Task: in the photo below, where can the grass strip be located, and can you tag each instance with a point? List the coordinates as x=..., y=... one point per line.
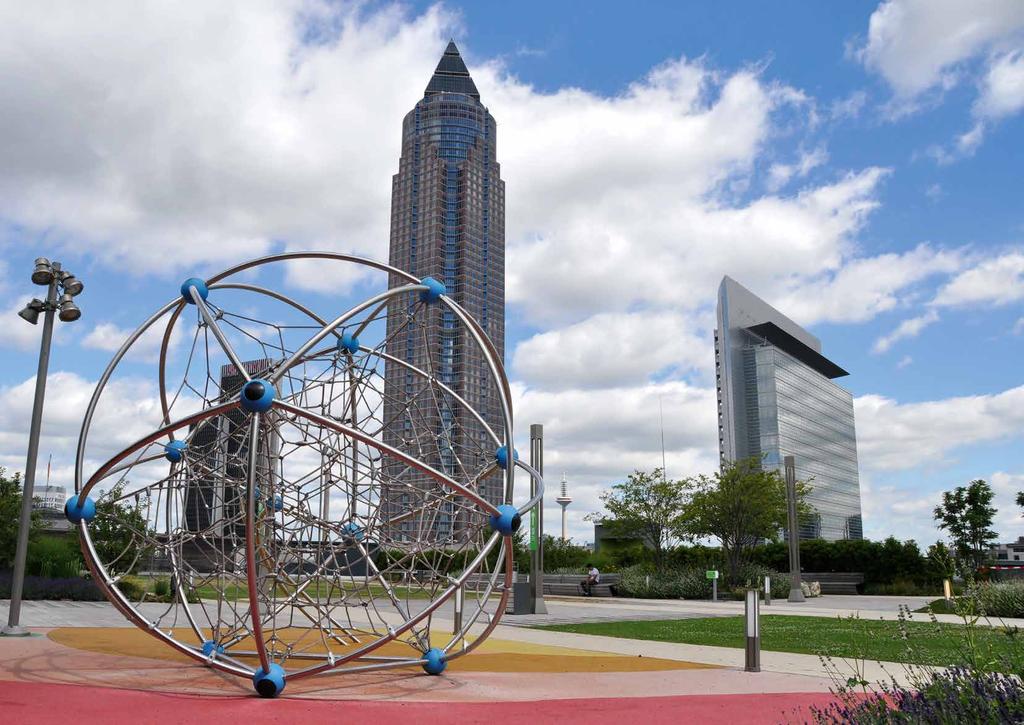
x=926, y=643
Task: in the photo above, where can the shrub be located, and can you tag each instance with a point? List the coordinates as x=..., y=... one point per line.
x=162, y=587
x=42, y=588
x=132, y=588
x=50, y=557
x=694, y=584
x=1004, y=599
x=753, y=575
x=904, y=588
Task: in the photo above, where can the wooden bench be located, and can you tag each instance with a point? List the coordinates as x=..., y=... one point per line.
x=835, y=582
x=569, y=585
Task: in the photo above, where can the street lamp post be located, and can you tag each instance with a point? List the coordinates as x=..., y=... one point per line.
x=68, y=286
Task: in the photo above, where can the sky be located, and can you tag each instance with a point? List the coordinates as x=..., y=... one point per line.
x=857, y=165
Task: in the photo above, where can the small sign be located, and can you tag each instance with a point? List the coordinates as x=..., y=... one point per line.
x=533, y=528
x=712, y=573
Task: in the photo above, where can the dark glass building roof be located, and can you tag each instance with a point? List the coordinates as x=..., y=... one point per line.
x=452, y=76
x=808, y=356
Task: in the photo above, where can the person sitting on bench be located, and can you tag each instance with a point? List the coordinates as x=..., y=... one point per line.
x=593, y=577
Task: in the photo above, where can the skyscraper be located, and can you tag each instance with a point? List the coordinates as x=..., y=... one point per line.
x=776, y=398
x=447, y=222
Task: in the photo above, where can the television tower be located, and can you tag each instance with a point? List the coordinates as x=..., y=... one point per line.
x=563, y=500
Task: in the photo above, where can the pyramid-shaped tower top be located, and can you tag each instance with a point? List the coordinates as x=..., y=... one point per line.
x=452, y=75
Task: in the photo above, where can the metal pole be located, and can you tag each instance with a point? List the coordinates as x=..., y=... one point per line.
x=767, y=591
x=753, y=626
x=14, y=628
x=537, y=605
x=796, y=592
x=457, y=617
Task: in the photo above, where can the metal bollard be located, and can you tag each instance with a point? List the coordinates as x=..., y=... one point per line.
x=767, y=590
x=457, y=618
x=753, y=621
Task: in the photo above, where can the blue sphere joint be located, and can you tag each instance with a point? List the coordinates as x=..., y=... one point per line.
x=269, y=684
x=76, y=513
x=501, y=456
x=209, y=647
x=257, y=396
x=175, y=451
x=353, y=530
x=507, y=521
x=434, y=661
x=199, y=284
x=433, y=291
x=348, y=343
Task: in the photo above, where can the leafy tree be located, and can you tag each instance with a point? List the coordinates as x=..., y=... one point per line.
x=967, y=513
x=118, y=530
x=941, y=561
x=741, y=505
x=647, y=506
x=1020, y=499
x=10, y=517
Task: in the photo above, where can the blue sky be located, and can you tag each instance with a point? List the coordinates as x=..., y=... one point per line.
x=856, y=164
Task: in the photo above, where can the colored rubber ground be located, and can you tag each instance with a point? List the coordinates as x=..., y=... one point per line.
x=33, y=702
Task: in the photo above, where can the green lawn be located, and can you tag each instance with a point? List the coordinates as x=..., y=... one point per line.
x=872, y=639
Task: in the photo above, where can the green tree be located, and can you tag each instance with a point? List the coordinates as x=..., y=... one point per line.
x=119, y=530
x=1020, y=499
x=741, y=505
x=647, y=506
x=966, y=513
x=10, y=517
x=941, y=562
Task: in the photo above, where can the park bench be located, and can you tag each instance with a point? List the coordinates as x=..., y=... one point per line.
x=836, y=582
x=568, y=585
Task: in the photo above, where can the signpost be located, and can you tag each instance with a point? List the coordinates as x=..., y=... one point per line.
x=712, y=574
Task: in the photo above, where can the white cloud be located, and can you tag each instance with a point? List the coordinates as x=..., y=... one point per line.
x=612, y=350
x=1008, y=519
x=866, y=286
x=1002, y=90
x=894, y=436
x=908, y=328
x=109, y=337
x=848, y=107
x=175, y=137
x=129, y=409
x=916, y=45
x=905, y=361
x=598, y=436
x=998, y=280
x=781, y=174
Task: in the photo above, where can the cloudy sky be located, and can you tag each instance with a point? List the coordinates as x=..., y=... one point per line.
x=856, y=165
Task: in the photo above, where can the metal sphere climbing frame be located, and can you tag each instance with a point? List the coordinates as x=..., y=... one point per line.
x=309, y=493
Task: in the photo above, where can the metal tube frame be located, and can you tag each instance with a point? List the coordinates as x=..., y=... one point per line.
x=174, y=308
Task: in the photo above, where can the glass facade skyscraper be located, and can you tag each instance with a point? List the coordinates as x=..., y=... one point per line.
x=447, y=222
x=777, y=398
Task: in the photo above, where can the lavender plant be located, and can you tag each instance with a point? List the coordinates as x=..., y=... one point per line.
x=986, y=685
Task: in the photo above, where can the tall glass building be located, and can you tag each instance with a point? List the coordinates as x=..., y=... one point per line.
x=447, y=222
x=777, y=398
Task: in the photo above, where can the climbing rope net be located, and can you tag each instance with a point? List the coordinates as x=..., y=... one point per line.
x=320, y=494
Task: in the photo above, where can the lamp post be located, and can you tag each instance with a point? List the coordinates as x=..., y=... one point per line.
x=796, y=593
x=62, y=288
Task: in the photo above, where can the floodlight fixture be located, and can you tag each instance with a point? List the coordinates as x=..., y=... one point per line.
x=69, y=311
x=43, y=273
x=71, y=284
x=30, y=312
